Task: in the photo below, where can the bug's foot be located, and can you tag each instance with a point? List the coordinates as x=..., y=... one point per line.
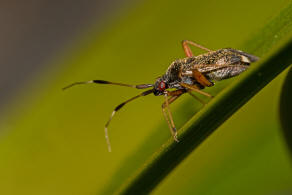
x=175, y=136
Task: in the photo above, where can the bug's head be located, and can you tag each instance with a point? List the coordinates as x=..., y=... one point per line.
x=159, y=87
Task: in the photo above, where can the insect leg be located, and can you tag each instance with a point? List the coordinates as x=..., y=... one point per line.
x=196, y=89
x=114, y=112
x=189, y=92
x=187, y=49
x=201, y=78
x=175, y=94
x=172, y=130
x=142, y=86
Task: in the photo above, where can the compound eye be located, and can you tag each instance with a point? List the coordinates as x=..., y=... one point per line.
x=161, y=86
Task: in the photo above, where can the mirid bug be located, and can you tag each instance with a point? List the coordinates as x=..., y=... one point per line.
x=190, y=74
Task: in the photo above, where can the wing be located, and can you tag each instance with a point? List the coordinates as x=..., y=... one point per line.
x=207, y=68
x=219, y=72
x=222, y=64
x=245, y=57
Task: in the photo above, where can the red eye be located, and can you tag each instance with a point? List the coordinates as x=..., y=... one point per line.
x=161, y=86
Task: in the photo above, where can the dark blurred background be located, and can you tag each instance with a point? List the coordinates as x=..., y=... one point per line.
x=35, y=31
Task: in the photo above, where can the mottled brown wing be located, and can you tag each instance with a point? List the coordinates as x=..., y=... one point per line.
x=206, y=68
x=220, y=72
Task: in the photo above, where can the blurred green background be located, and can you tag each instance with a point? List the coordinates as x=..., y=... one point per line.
x=52, y=142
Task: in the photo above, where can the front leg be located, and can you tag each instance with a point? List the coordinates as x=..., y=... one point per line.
x=169, y=119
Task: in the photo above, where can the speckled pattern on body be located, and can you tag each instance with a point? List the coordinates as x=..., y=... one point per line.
x=215, y=66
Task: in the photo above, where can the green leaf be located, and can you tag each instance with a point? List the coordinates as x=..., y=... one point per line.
x=286, y=108
x=274, y=45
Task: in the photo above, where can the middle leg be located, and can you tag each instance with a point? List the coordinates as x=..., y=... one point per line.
x=198, y=99
x=196, y=89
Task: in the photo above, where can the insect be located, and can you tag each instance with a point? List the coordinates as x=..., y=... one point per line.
x=187, y=75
